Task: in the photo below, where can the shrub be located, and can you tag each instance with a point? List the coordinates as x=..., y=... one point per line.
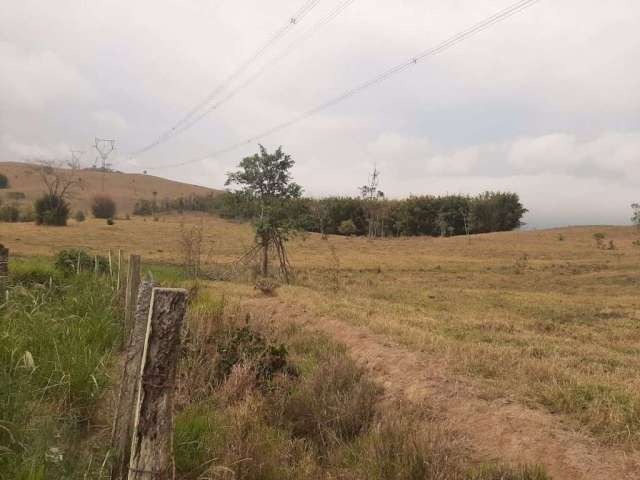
x=110, y=221
x=397, y=447
x=51, y=210
x=336, y=402
x=16, y=195
x=9, y=213
x=347, y=227
x=79, y=216
x=4, y=181
x=27, y=214
x=33, y=271
x=67, y=261
x=244, y=344
x=103, y=206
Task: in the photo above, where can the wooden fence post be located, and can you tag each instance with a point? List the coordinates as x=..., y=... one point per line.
x=119, y=272
x=124, y=413
x=151, y=445
x=131, y=294
x=4, y=272
x=110, y=267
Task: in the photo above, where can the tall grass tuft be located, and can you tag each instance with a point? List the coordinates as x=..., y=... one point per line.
x=56, y=340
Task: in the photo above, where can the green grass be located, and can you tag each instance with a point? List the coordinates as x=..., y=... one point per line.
x=56, y=342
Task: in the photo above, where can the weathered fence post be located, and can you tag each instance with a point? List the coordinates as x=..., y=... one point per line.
x=124, y=413
x=151, y=445
x=131, y=294
x=95, y=265
x=110, y=267
x=4, y=272
x=119, y=272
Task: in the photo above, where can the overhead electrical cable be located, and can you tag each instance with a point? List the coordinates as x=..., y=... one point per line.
x=503, y=14
x=281, y=56
x=296, y=18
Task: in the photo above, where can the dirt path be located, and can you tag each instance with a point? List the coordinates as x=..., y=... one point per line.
x=499, y=430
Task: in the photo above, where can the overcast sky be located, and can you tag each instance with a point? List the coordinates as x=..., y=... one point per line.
x=546, y=104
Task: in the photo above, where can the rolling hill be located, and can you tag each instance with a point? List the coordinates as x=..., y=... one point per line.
x=124, y=188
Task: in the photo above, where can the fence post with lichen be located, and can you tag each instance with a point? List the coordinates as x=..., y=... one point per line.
x=128, y=395
x=4, y=272
x=131, y=293
x=151, y=445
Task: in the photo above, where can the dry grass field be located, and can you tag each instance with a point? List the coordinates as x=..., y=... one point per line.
x=124, y=188
x=530, y=341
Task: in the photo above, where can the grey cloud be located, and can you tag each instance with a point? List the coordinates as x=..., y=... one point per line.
x=548, y=97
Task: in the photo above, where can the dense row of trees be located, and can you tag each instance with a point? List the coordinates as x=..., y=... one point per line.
x=419, y=215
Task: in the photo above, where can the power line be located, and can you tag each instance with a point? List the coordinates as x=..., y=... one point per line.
x=297, y=17
x=497, y=17
x=283, y=54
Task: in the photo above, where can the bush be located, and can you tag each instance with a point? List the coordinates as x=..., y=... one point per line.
x=336, y=402
x=103, y=206
x=79, y=216
x=4, y=181
x=66, y=261
x=244, y=344
x=27, y=214
x=51, y=210
x=347, y=227
x=16, y=195
x=110, y=221
x=33, y=271
x=9, y=213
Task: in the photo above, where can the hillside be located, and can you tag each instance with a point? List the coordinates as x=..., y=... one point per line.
x=124, y=188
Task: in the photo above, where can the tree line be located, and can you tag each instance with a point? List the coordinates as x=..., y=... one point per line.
x=430, y=215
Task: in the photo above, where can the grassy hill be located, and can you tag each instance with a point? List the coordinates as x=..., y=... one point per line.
x=124, y=188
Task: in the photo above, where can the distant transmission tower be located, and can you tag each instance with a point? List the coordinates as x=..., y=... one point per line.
x=104, y=148
x=76, y=156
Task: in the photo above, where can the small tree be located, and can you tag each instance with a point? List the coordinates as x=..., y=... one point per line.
x=266, y=185
x=635, y=219
x=103, y=206
x=51, y=210
x=4, y=181
x=52, y=207
x=370, y=194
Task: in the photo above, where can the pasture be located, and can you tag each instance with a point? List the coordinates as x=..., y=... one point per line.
x=526, y=341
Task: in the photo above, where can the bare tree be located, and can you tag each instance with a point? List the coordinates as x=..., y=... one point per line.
x=371, y=195
x=191, y=246
x=59, y=185
x=58, y=181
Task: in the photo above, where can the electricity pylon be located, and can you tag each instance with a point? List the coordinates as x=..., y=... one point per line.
x=104, y=147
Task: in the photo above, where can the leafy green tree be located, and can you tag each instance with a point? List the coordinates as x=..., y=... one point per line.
x=264, y=181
